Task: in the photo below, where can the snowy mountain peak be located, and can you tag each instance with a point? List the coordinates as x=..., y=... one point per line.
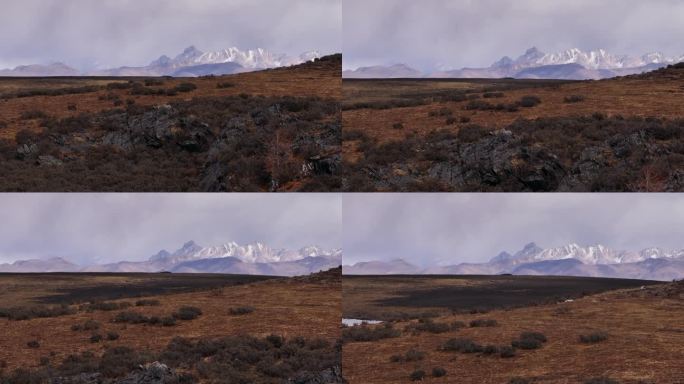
x=255, y=252
x=593, y=254
x=594, y=59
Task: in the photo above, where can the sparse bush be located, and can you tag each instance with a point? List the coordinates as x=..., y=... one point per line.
x=594, y=337
x=95, y=338
x=491, y=95
x=490, y=350
x=187, y=313
x=243, y=310
x=464, y=119
x=471, y=133
x=153, y=82
x=507, y=351
x=91, y=325
x=147, y=303
x=417, y=375
x=225, y=85
x=106, y=306
x=27, y=313
x=529, y=101
x=519, y=380
x=34, y=344
x=601, y=380
x=573, y=99
x=438, y=372
x=410, y=355
x=529, y=340
x=484, y=323
x=111, y=336
x=398, y=126
x=367, y=333
x=33, y=114
x=131, y=317
x=185, y=87
x=456, y=325
x=441, y=112
x=451, y=120
x=168, y=321
x=461, y=345
x=428, y=325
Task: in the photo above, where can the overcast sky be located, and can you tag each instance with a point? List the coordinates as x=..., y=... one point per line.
x=475, y=33
x=445, y=229
x=99, y=228
x=112, y=33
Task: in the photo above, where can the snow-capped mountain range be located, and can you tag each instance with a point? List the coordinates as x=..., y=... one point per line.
x=571, y=64
x=569, y=260
x=254, y=258
x=191, y=62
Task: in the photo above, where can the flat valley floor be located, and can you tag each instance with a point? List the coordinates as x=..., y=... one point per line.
x=65, y=325
x=628, y=332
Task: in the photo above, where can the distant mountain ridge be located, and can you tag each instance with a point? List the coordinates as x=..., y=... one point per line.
x=570, y=260
x=190, y=63
x=571, y=64
x=255, y=258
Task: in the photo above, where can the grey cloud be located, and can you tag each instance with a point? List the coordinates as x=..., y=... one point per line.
x=90, y=228
x=112, y=33
x=460, y=33
x=428, y=229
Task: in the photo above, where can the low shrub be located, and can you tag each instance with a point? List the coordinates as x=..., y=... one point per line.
x=224, y=85
x=601, y=380
x=464, y=119
x=398, y=126
x=441, y=112
x=428, y=325
x=27, y=313
x=111, y=336
x=529, y=340
x=185, y=87
x=417, y=375
x=594, y=337
x=130, y=317
x=450, y=121
x=410, y=355
x=168, y=321
x=491, y=95
x=507, y=351
x=147, y=303
x=490, y=349
x=153, y=82
x=456, y=325
x=95, y=338
x=236, y=311
x=438, y=372
x=34, y=344
x=529, y=101
x=471, y=133
x=461, y=345
x=33, y=114
x=367, y=333
x=91, y=325
x=519, y=380
x=187, y=313
x=484, y=323
x=106, y=306
x=573, y=99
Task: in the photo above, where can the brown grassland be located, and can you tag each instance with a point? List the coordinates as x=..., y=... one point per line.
x=307, y=307
x=272, y=130
x=640, y=338
x=476, y=135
